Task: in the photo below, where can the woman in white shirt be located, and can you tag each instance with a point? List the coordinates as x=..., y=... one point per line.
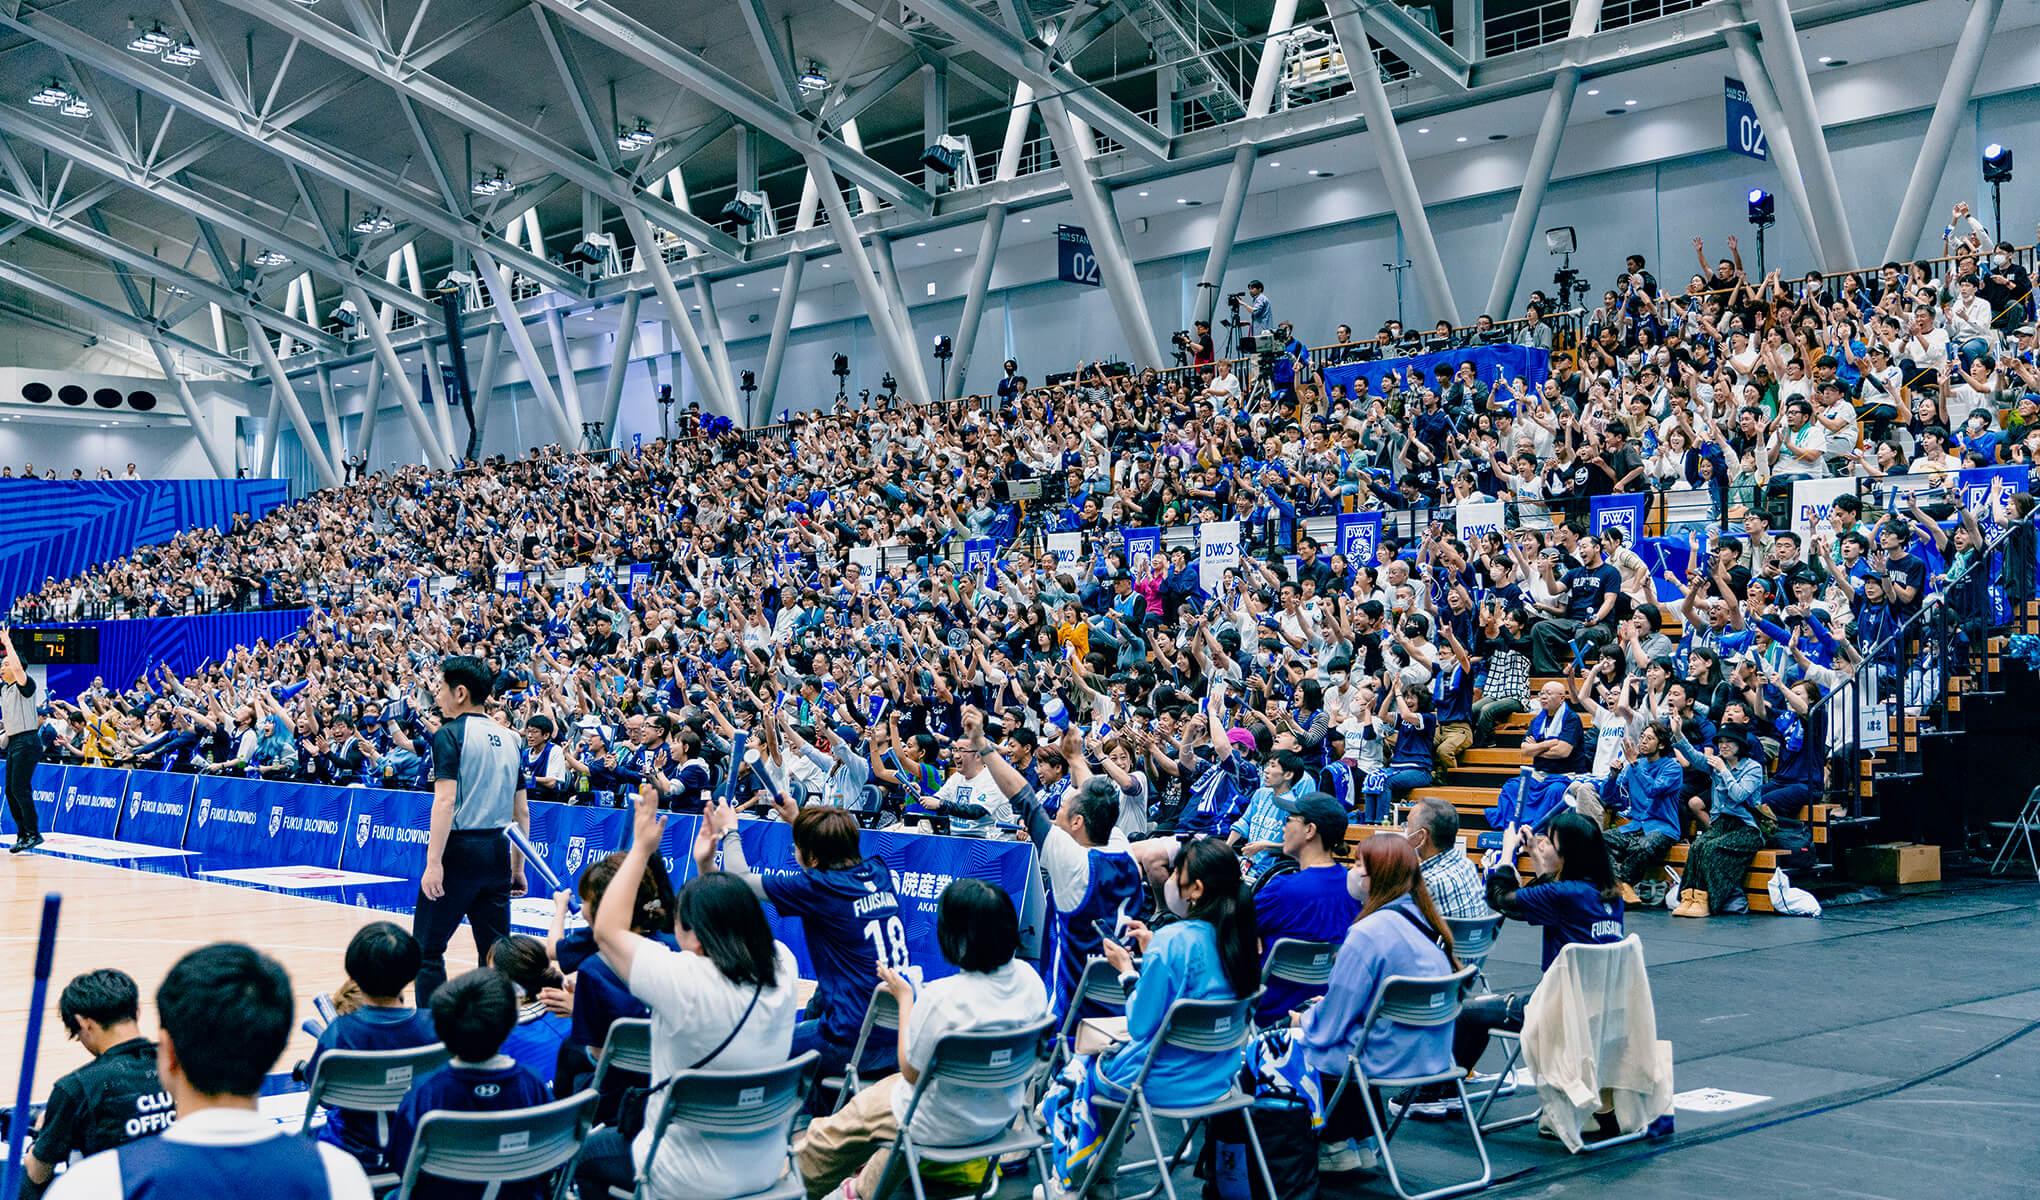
x=979, y=932
x=726, y=1000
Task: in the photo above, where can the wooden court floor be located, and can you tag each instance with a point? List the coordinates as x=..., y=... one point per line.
x=142, y=923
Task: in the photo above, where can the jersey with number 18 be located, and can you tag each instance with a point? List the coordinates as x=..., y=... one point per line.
x=851, y=921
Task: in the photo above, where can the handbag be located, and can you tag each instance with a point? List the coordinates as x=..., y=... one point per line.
x=630, y=1114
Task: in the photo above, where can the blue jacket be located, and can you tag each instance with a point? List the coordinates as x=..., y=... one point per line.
x=1381, y=944
x=1181, y=963
x=1652, y=788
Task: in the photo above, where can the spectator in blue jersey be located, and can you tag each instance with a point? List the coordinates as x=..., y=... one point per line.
x=1211, y=953
x=541, y=1034
x=382, y=960
x=1585, y=610
x=225, y=1012
x=993, y=989
x=1571, y=895
x=1413, y=763
x=474, y=1014
x=1303, y=896
x=849, y=916
x=1398, y=931
x=725, y=1001
x=598, y=997
x=1095, y=884
x=1650, y=785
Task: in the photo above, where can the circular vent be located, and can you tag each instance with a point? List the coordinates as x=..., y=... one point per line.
x=71, y=394
x=108, y=397
x=141, y=401
x=36, y=393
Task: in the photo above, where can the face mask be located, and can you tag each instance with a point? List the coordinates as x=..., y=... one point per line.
x=1174, y=898
x=1999, y=260
x=1356, y=884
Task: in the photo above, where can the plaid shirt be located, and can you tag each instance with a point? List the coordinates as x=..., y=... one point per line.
x=1455, y=886
x=1508, y=676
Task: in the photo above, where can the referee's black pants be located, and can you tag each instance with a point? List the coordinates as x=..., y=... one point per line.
x=24, y=750
x=476, y=873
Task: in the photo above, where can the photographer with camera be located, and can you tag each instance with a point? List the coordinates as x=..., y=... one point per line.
x=1253, y=315
x=1195, y=344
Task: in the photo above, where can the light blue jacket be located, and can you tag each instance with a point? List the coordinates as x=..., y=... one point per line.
x=1181, y=963
x=1383, y=943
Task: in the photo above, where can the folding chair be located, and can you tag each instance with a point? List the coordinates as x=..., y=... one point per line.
x=1613, y=1016
x=1305, y=963
x=735, y=1106
x=495, y=1148
x=627, y=1047
x=1423, y=1003
x=1099, y=984
x=881, y=1012
x=2017, y=832
x=985, y=1063
x=370, y=1081
x=1198, y=1026
x=1474, y=938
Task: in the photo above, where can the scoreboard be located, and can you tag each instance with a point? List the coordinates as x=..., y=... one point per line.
x=41, y=647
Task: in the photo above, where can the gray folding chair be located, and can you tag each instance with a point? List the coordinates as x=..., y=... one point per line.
x=1422, y=1003
x=735, y=1106
x=1612, y=1018
x=1197, y=1026
x=1473, y=939
x=1304, y=963
x=986, y=1063
x=1098, y=985
x=370, y=1081
x=627, y=1047
x=882, y=1011
x=2019, y=832
x=495, y=1148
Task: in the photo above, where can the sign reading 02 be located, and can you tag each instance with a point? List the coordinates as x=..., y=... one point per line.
x=42, y=646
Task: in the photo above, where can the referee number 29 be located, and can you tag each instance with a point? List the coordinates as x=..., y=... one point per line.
x=888, y=942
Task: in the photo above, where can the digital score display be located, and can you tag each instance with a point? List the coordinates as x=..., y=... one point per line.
x=40, y=647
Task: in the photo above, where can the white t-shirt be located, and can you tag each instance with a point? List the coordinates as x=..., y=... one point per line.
x=980, y=790
x=694, y=1007
x=966, y=1002
x=99, y=1176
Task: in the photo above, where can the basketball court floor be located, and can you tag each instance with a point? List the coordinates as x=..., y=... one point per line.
x=1885, y=1049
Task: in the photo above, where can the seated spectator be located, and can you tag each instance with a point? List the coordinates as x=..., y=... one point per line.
x=541, y=1034
x=1450, y=878
x=724, y=1001
x=1399, y=932
x=472, y=1014
x=382, y=960
x=108, y=1102
x=1212, y=953
x=226, y=1013
x=1648, y=790
x=979, y=932
x=1304, y=895
x=599, y=998
x=1720, y=857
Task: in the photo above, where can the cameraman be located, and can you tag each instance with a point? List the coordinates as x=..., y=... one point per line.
x=1197, y=342
x=1254, y=313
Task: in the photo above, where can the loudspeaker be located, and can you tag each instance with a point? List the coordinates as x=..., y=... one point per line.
x=71, y=394
x=141, y=401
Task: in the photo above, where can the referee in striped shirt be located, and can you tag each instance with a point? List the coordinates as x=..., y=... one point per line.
x=471, y=870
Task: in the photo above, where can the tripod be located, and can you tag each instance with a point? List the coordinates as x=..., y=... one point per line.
x=592, y=439
x=1395, y=270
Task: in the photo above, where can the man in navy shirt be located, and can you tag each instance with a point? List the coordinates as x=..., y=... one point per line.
x=473, y=1015
x=849, y=917
x=1309, y=900
x=109, y=1101
x=382, y=960
x=1591, y=592
x=226, y=1013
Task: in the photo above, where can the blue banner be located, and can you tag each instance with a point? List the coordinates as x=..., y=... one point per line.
x=387, y=832
x=513, y=582
x=89, y=800
x=1359, y=534
x=640, y=573
x=1625, y=512
x=1510, y=361
x=976, y=553
x=573, y=836
x=158, y=808
x=1975, y=483
x=43, y=788
x=296, y=824
x=1141, y=545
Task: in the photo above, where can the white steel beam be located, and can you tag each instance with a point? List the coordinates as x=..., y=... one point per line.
x=1101, y=222
x=899, y=351
x=1950, y=107
x=280, y=382
x=1787, y=69
x=1543, y=158
x=392, y=372
x=677, y=319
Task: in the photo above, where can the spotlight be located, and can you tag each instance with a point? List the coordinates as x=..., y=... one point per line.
x=628, y=140
x=944, y=156
x=154, y=41
x=814, y=77
x=347, y=316
x=374, y=222
x=1763, y=207
x=745, y=208
x=595, y=248
x=1997, y=164
x=51, y=96
x=272, y=258
x=183, y=54
x=76, y=107
x=943, y=347
x=490, y=185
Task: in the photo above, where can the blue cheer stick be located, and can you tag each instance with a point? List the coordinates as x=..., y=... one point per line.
x=17, y=1129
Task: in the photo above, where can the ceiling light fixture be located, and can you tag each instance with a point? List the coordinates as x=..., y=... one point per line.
x=1142, y=193
x=76, y=107
x=50, y=96
x=638, y=138
x=374, y=222
x=1825, y=59
x=1629, y=104
x=814, y=77
x=272, y=258
x=1459, y=139
x=1423, y=129
x=490, y=185
x=1027, y=220
x=1593, y=91
x=183, y=54
x=153, y=41
x=1313, y=171
x=1274, y=163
